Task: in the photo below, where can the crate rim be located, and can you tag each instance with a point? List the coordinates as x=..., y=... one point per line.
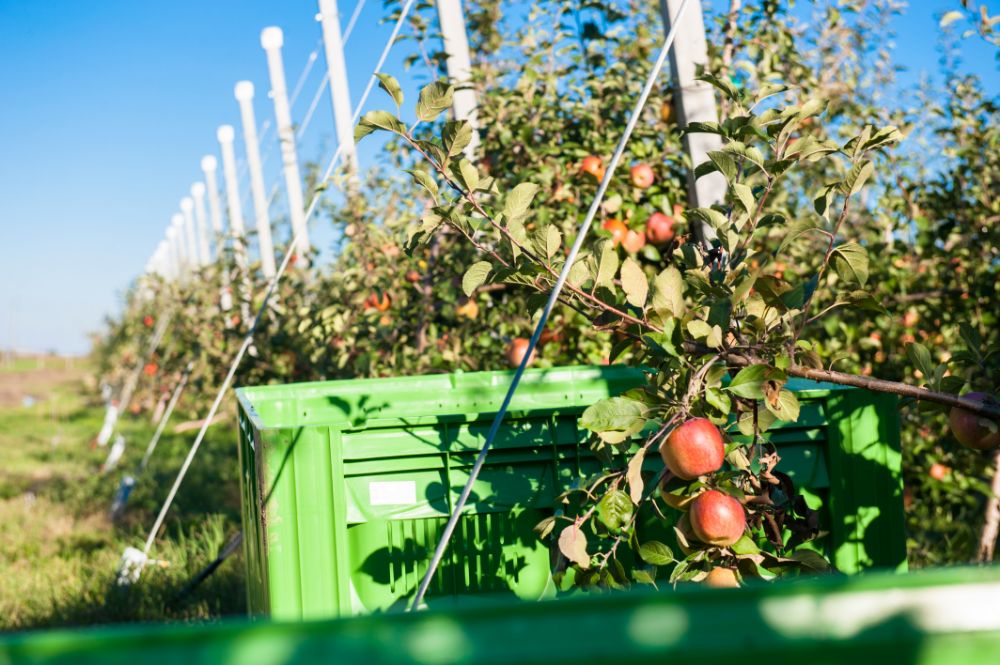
x=247, y=395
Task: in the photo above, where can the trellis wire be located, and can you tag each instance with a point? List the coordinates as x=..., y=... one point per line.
x=553, y=298
x=248, y=338
x=162, y=425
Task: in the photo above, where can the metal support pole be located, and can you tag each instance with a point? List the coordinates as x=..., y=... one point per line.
x=187, y=206
x=198, y=194
x=340, y=95
x=244, y=95
x=695, y=102
x=456, y=46
x=271, y=39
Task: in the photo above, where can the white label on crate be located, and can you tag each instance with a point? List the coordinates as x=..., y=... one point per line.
x=392, y=492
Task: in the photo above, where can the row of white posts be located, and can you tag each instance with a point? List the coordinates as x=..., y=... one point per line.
x=186, y=246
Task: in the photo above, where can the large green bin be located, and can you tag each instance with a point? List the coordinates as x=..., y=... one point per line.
x=346, y=485
x=942, y=617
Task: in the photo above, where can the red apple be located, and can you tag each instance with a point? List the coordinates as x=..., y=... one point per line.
x=516, y=350
x=974, y=431
x=617, y=228
x=147, y=321
x=642, y=176
x=373, y=301
x=693, y=449
x=717, y=518
x=939, y=471
x=722, y=578
x=592, y=166
x=659, y=228
x=412, y=276
x=150, y=369
x=633, y=241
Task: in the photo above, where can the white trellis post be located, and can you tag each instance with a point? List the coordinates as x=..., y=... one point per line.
x=226, y=135
x=175, y=253
x=271, y=39
x=187, y=206
x=340, y=95
x=244, y=95
x=695, y=102
x=183, y=254
x=456, y=46
x=198, y=194
x=208, y=166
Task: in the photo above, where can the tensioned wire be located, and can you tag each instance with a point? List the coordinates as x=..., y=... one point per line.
x=248, y=338
x=553, y=298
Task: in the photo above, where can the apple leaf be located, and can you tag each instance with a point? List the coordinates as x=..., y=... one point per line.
x=619, y=414
x=784, y=405
x=456, y=136
x=377, y=120
x=475, y=276
x=519, y=200
x=573, y=545
x=615, y=510
x=656, y=553
x=633, y=476
x=553, y=240
x=634, y=283
x=850, y=260
x=434, y=98
x=749, y=382
x=389, y=83
x=608, y=267
x=469, y=174
x=668, y=292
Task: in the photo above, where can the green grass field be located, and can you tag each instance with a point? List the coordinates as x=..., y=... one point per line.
x=59, y=552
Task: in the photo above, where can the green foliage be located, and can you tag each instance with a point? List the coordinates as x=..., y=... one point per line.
x=833, y=224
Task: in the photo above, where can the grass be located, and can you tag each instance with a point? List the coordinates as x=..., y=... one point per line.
x=58, y=550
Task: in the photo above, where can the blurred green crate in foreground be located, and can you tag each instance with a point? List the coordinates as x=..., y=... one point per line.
x=346, y=485
x=941, y=617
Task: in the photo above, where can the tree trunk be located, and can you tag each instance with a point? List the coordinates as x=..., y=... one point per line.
x=991, y=527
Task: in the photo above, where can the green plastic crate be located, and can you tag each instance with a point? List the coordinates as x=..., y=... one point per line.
x=346, y=485
x=941, y=617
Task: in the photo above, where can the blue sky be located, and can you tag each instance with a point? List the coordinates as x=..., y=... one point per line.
x=109, y=105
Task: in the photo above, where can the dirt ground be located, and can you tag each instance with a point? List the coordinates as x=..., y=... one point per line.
x=16, y=385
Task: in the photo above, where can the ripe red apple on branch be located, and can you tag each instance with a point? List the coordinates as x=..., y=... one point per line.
x=693, y=449
x=633, y=241
x=659, y=228
x=617, y=228
x=717, y=518
x=375, y=302
x=516, y=350
x=642, y=176
x=939, y=471
x=592, y=166
x=974, y=431
x=721, y=578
